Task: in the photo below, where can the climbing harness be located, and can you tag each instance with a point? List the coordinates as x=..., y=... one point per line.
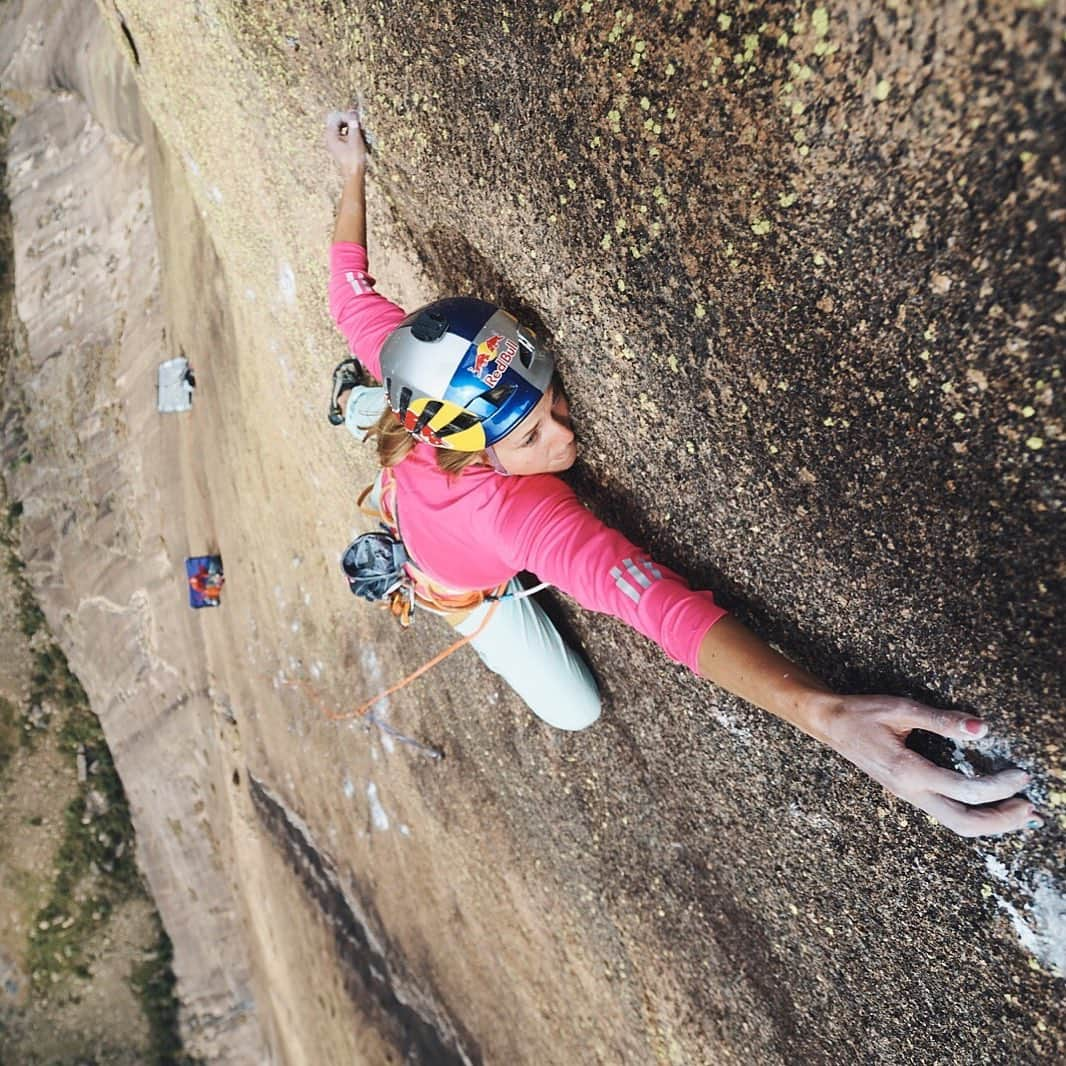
x=380, y=569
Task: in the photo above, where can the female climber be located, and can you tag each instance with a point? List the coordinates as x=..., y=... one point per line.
x=474, y=432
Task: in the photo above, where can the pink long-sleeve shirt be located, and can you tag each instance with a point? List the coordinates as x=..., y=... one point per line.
x=478, y=530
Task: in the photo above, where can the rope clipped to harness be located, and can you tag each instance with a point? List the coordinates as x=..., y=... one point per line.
x=377, y=565
x=377, y=572
x=380, y=570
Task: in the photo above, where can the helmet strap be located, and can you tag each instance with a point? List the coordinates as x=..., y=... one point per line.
x=495, y=463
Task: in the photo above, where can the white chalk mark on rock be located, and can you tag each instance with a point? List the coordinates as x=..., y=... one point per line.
x=286, y=283
x=731, y=725
x=378, y=818
x=368, y=659
x=1040, y=921
x=286, y=370
x=1042, y=929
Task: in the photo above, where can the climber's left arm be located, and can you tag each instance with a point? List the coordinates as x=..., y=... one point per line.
x=871, y=732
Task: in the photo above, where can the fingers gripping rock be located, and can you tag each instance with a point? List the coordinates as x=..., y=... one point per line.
x=952, y=724
x=345, y=139
x=871, y=731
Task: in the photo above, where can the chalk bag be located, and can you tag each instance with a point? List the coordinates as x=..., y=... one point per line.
x=374, y=566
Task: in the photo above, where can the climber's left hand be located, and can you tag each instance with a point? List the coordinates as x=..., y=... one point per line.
x=872, y=731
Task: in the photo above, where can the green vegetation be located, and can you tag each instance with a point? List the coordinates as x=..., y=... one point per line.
x=153, y=981
x=53, y=681
x=31, y=618
x=95, y=864
x=96, y=871
x=8, y=731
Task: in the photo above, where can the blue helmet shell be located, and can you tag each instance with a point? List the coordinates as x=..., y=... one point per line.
x=462, y=373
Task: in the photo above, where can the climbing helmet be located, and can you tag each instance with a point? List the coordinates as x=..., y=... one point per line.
x=461, y=373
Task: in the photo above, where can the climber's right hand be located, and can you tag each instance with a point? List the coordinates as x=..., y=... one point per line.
x=345, y=141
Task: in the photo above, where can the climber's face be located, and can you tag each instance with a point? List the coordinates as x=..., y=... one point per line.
x=543, y=443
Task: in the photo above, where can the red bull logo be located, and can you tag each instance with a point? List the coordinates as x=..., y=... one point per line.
x=496, y=352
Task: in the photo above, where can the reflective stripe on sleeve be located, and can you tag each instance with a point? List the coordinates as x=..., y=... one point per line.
x=643, y=574
x=358, y=281
x=641, y=578
x=624, y=585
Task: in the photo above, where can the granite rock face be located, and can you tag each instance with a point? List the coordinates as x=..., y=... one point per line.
x=77, y=455
x=803, y=267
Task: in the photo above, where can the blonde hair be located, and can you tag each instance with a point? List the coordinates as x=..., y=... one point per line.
x=394, y=444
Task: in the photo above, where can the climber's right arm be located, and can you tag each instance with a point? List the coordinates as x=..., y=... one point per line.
x=350, y=226
x=344, y=139
x=364, y=317
x=871, y=732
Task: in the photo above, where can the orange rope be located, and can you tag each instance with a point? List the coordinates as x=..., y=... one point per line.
x=340, y=716
x=364, y=707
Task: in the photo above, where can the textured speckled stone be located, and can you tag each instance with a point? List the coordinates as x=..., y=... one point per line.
x=803, y=268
